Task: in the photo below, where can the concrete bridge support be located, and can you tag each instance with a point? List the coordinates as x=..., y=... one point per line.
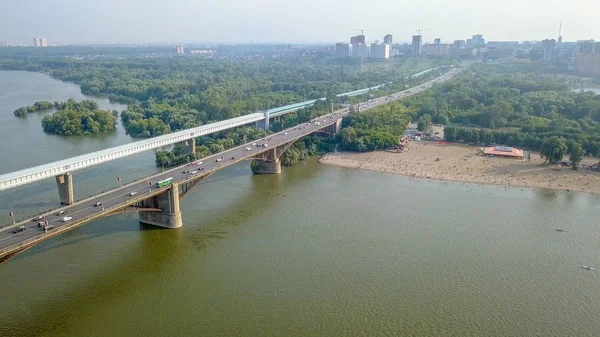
x=265, y=167
x=189, y=146
x=264, y=124
x=269, y=165
x=65, y=188
x=336, y=128
x=170, y=216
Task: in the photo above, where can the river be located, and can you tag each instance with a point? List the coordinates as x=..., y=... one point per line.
x=319, y=251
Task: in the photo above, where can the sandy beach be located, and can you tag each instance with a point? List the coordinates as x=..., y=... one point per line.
x=462, y=163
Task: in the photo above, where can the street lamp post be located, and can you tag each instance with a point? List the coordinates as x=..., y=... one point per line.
x=101, y=201
x=12, y=215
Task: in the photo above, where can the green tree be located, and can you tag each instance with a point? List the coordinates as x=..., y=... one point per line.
x=424, y=122
x=553, y=149
x=576, y=156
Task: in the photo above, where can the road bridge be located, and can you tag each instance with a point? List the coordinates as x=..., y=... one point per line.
x=159, y=205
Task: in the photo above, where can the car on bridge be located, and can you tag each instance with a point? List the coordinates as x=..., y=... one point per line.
x=19, y=230
x=67, y=218
x=61, y=212
x=132, y=193
x=249, y=148
x=37, y=219
x=193, y=172
x=219, y=159
x=98, y=203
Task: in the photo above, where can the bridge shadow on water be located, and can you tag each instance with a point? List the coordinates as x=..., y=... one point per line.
x=121, y=274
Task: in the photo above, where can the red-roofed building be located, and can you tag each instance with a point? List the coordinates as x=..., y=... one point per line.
x=504, y=151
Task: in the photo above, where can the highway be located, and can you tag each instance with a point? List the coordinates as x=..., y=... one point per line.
x=87, y=210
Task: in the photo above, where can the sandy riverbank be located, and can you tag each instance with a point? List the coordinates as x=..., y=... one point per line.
x=461, y=163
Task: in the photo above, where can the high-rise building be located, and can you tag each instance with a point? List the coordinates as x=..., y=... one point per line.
x=180, y=49
x=358, y=39
x=478, y=40
x=380, y=51
x=459, y=44
x=437, y=41
x=549, y=46
x=587, y=60
x=436, y=49
x=343, y=50
x=360, y=50
x=40, y=42
x=585, y=47
x=469, y=43
x=416, y=44
x=388, y=39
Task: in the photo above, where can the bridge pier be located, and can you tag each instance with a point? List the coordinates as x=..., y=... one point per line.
x=170, y=216
x=265, y=167
x=189, y=146
x=264, y=124
x=65, y=188
x=336, y=127
x=269, y=165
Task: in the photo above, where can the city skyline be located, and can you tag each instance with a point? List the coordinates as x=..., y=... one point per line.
x=258, y=21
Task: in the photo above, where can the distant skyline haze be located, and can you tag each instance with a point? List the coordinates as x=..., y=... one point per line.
x=307, y=21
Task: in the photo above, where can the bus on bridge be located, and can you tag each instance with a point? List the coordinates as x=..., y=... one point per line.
x=164, y=183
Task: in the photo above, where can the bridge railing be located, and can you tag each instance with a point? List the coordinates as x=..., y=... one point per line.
x=18, y=246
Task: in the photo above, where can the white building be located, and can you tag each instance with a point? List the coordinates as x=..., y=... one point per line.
x=380, y=51
x=343, y=50
x=360, y=50
x=40, y=42
x=180, y=49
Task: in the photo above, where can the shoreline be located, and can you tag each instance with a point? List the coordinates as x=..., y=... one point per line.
x=461, y=163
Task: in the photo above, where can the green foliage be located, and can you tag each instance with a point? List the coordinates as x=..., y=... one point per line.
x=377, y=129
x=79, y=118
x=306, y=147
x=553, y=149
x=424, y=122
x=173, y=158
x=168, y=94
x=37, y=106
x=576, y=156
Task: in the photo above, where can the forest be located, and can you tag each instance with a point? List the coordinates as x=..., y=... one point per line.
x=513, y=105
x=79, y=118
x=170, y=94
x=37, y=106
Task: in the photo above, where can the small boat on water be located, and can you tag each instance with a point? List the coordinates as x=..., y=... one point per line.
x=588, y=268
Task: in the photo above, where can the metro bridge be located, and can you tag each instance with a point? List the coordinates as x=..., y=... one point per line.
x=156, y=204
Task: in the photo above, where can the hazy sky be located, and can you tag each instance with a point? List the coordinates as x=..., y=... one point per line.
x=294, y=21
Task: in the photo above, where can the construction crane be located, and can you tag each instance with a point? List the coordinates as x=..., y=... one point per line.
x=362, y=31
x=420, y=31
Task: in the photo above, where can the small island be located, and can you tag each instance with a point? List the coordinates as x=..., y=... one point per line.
x=74, y=118
x=37, y=106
